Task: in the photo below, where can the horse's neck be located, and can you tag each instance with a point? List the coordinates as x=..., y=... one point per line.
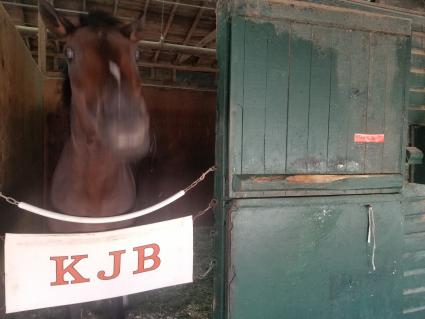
x=90, y=181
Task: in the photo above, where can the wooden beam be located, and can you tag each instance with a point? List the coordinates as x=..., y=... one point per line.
x=69, y=11
x=190, y=68
x=191, y=30
x=204, y=41
x=42, y=42
x=167, y=27
x=184, y=49
x=153, y=65
x=116, y=3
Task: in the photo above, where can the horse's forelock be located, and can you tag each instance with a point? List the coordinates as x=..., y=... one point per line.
x=99, y=19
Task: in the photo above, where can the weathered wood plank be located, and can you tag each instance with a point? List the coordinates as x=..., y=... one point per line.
x=254, y=98
x=356, y=108
x=299, y=101
x=276, y=98
x=340, y=182
x=319, y=100
x=376, y=101
x=237, y=62
x=394, y=104
x=340, y=98
x=324, y=15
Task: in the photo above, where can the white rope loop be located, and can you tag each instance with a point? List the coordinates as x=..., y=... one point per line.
x=109, y=219
x=371, y=234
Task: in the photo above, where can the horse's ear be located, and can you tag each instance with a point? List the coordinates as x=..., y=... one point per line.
x=134, y=30
x=56, y=24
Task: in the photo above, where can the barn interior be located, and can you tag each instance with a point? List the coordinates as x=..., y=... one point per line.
x=178, y=70
x=179, y=73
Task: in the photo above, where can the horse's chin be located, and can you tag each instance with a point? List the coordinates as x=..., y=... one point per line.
x=127, y=144
x=128, y=148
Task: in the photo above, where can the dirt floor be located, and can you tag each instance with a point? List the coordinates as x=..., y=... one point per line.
x=189, y=301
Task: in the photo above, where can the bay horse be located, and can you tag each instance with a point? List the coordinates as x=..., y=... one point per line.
x=109, y=121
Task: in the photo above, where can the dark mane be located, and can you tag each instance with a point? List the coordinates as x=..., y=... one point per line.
x=99, y=19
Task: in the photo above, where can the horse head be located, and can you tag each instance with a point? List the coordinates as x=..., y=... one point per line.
x=107, y=106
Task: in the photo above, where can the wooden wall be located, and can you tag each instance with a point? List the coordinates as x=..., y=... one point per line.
x=21, y=134
x=21, y=116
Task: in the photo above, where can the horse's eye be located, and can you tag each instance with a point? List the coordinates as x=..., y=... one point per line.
x=137, y=55
x=69, y=53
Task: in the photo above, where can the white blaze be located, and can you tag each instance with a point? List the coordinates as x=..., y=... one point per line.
x=115, y=71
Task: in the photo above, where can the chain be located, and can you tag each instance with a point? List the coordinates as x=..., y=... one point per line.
x=200, y=179
x=205, y=274
x=211, y=205
x=8, y=199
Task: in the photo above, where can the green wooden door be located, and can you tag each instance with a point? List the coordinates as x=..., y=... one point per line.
x=305, y=80
x=309, y=258
x=298, y=81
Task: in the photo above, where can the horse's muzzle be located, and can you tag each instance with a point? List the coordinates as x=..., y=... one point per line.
x=126, y=133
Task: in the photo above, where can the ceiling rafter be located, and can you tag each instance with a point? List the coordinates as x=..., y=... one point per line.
x=204, y=41
x=184, y=21
x=167, y=27
x=191, y=30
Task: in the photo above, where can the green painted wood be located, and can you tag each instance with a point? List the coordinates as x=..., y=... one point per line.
x=417, y=116
x=276, y=99
x=323, y=15
x=413, y=279
x=255, y=85
x=414, y=223
x=417, y=80
x=416, y=18
x=417, y=42
x=236, y=70
x=286, y=119
x=304, y=277
x=414, y=251
x=416, y=313
x=413, y=263
x=418, y=61
x=394, y=96
x=416, y=97
x=299, y=100
x=414, y=242
x=221, y=161
x=320, y=88
x=357, y=106
x=376, y=101
x=340, y=98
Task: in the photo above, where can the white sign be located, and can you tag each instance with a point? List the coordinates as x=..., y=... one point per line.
x=45, y=270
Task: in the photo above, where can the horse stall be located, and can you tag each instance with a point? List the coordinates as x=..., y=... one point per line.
x=318, y=132
x=180, y=99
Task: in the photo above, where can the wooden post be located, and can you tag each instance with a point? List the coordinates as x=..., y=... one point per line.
x=42, y=40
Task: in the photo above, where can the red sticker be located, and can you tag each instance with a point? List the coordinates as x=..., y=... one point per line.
x=368, y=138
